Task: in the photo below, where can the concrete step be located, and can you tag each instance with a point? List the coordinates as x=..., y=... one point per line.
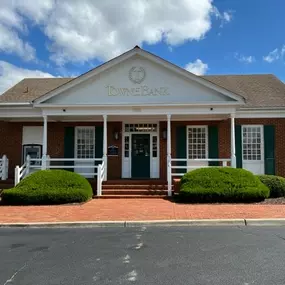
x=133, y=192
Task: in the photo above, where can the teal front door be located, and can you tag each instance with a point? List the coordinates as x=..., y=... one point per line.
x=140, y=156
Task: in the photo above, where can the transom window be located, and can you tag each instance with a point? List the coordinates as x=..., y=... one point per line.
x=85, y=142
x=252, y=142
x=197, y=138
x=140, y=127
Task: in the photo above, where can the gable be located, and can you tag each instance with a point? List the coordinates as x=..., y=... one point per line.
x=140, y=81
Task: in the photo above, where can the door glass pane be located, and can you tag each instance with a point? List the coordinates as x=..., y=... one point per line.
x=140, y=145
x=127, y=146
x=154, y=146
x=85, y=142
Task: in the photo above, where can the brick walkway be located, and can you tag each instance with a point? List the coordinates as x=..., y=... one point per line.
x=135, y=209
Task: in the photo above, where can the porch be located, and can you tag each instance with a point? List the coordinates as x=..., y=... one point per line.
x=114, y=148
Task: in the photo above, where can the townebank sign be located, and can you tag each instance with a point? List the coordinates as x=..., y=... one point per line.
x=137, y=75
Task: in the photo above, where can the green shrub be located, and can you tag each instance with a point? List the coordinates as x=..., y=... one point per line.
x=276, y=184
x=49, y=187
x=226, y=184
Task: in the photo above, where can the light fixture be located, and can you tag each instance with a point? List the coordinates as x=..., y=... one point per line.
x=164, y=134
x=116, y=135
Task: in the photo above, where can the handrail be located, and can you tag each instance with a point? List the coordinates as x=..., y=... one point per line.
x=100, y=177
x=21, y=172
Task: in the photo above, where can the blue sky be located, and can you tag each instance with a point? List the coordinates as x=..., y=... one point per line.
x=67, y=38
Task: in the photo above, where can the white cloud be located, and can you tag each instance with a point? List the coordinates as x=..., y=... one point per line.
x=11, y=74
x=80, y=30
x=274, y=55
x=11, y=43
x=245, y=59
x=197, y=67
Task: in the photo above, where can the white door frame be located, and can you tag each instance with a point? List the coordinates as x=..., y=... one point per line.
x=127, y=161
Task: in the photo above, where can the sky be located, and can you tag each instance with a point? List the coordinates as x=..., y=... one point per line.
x=65, y=38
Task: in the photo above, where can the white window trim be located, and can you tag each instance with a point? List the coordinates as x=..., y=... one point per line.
x=187, y=139
x=261, y=141
x=76, y=137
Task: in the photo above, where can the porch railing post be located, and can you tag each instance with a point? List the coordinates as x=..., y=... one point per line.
x=99, y=186
x=44, y=162
x=28, y=162
x=233, y=143
x=105, y=146
x=4, y=167
x=17, y=175
x=169, y=176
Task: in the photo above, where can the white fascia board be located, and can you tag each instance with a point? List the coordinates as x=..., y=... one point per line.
x=4, y=104
x=137, y=111
x=260, y=114
x=196, y=104
x=24, y=112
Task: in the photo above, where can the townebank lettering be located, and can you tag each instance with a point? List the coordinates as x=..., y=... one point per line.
x=143, y=90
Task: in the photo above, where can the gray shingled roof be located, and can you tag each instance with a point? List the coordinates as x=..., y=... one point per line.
x=262, y=90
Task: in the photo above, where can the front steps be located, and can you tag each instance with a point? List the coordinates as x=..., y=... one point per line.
x=128, y=189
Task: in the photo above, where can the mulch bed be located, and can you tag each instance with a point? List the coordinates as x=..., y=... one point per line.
x=273, y=201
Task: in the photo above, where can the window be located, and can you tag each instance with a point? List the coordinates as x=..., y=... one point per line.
x=85, y=142
x=197, y=142
x=252, y=142
x=140, y=127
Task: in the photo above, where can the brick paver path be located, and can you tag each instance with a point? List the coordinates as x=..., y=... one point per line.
x=136, y=209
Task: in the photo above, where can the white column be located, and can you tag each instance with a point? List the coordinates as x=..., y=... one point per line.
x=44, y=143
x=233, y=142
x=169, y=177
x=105, y=145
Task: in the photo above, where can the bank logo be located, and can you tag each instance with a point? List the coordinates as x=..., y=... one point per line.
x=137, y=74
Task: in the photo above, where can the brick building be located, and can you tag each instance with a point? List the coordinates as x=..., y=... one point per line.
x=145, y=118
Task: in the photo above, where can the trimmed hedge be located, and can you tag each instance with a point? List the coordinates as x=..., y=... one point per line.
x=276, y=185
x=49, y=187
x=217, y=184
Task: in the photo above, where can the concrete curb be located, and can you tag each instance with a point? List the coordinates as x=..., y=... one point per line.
x=153, y=223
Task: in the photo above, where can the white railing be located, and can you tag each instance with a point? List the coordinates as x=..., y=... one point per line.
x=79, y=164
x=100, y=177
x=173, y=170
x=4, y=166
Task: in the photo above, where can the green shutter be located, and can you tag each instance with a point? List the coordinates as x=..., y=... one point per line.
x=98, y=143
x=181, y=146
x=269, y=149
x=69, y=146
x=238, y=146
x=213, y=144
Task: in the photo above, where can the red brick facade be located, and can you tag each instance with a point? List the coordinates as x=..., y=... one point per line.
x=11, y=141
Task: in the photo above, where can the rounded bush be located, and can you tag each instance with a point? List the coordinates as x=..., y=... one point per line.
x=276, y=185
x=226, y=184
x=49, y=187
